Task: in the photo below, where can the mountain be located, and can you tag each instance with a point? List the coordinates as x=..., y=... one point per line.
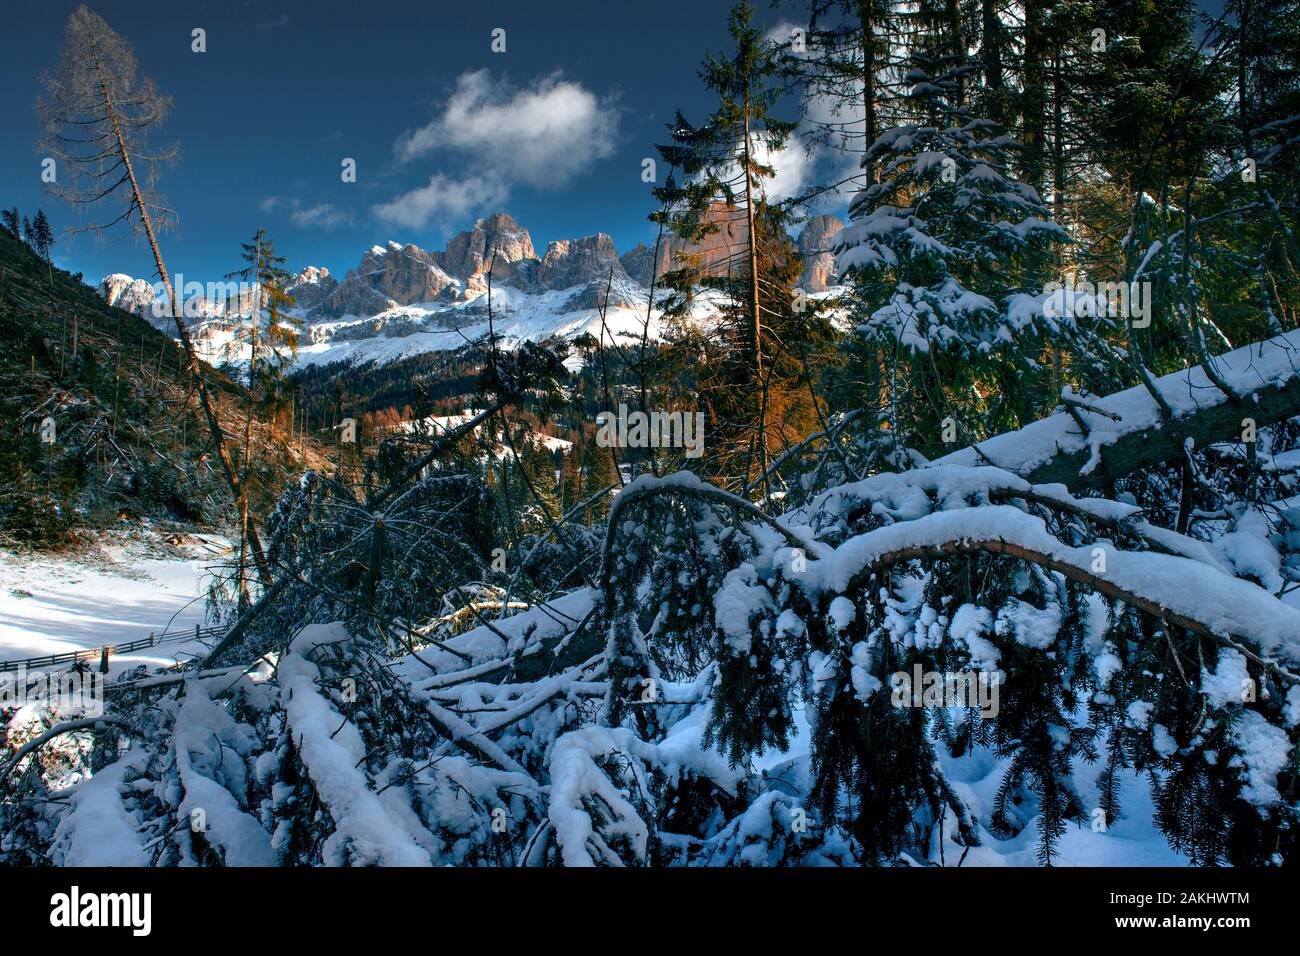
x=311, y=287
x=711, y=254
x=401, y=300
x=815, y=246
x=638, y=262
x=130, y=295
x=725, y=246
x=228, y=299
x=573, y=262
x=497, y=242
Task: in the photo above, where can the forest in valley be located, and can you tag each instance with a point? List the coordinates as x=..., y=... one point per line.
x=988, y=555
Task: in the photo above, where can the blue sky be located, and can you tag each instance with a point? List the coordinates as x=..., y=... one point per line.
x=442, y=129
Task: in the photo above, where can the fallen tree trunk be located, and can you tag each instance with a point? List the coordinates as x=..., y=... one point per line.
x=1127, y=431
x=1173, y=589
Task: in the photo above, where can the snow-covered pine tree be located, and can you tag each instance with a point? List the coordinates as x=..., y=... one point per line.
x=946, y=254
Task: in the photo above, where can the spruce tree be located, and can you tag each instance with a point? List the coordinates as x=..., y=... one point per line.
x=272, y=342
x=753, y=371
x=944, y=255
x=42, y=240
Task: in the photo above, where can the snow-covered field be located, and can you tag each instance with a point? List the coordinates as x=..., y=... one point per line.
x=120, y=589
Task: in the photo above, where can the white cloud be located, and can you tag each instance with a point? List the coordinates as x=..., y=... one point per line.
x=442, y=198
x=793, y=166
x=542, y=136
x=784, y=32
x=322, y=215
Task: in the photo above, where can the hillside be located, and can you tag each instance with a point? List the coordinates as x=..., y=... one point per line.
x=127, y=441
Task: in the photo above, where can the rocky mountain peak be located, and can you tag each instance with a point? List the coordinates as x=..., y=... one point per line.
x=311, y=286
x=133, y=295
x=497, y=238
x=573, y=262
x=638, y=262
x=815, y=246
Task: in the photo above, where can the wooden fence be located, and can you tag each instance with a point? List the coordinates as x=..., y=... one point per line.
x=111, y=650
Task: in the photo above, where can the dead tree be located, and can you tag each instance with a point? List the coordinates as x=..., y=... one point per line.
x=97, y=113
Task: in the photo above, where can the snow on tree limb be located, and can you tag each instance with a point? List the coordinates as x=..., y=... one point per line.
x=1053, y=451
x=1177, y=590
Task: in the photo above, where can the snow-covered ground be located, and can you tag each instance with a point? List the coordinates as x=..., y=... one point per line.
x=120, y=589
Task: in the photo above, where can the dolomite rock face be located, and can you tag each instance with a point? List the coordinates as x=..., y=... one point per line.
x=638, y=262
x=387, y=276
x=815, y=246
x=407, y=274
x=132, y=295
x=574, y=262
x=311, y=287
x=497, y=241
x=725, y=248
x=716, y=252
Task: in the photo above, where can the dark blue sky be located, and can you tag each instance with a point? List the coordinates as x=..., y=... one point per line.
x=286, y=90
x=443, y=130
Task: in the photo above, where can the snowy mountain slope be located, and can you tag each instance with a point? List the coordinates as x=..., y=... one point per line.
x=401, y=300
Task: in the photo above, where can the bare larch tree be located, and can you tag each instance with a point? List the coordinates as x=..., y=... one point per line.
x=98, y=112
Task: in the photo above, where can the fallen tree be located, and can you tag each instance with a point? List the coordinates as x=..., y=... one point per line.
x=1089, y=445
x=621, y=723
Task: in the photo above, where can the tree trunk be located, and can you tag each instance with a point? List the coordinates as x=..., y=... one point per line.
x=214, y=424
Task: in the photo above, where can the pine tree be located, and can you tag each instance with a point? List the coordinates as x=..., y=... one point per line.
x=272, y=342
x=12, y=221
x=842, y=65
x=42, y=240
x=750, y=376
x=945, y=254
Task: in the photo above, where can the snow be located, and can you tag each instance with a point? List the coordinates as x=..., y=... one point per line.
x=443, y=424
x=1250, y=554
x=1250, y=369
x=736, y=603
x=98, y=830
x=969, y=624
x=483, y=645
x=518, y=316
x=366, y=833
x=211, y=769
x=122, y=590
x=1229, y=680
x=1264, y=750
x=576, y=778
x=1228, y=606
x=1030, y=626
